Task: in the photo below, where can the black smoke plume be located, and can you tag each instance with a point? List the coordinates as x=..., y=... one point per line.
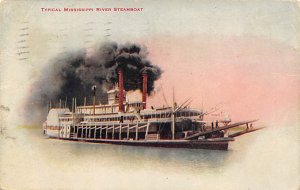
x=73, y=74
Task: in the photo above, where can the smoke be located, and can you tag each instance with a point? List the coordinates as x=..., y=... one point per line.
x=73, y=74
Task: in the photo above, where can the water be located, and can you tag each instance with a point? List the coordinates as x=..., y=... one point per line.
x=31, y=161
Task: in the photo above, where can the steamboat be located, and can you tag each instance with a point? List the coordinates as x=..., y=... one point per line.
x=125, y=122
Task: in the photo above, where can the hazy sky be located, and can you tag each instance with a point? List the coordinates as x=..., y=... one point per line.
x=211, y=45
x=274, y=20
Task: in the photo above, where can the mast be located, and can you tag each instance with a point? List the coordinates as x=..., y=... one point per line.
x=72, y=105
x=173, y=116
x=75, y=105
x=94, y=98
x=84, y=104
x=66, y=101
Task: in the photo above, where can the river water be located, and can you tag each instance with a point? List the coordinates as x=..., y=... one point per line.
x=267, y=159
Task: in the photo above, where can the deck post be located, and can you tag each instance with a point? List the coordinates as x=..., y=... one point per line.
x=113, y=132
x=77, y=131
x=83, y=129
x=86, y=132
x=90, y=130
x=95, y=131
x=84, y=135
x=147, y=130
x=136, y=131
x=173, y=126
x=120, y=132
x=100, y=136
x=128, y=132
x=106, y=131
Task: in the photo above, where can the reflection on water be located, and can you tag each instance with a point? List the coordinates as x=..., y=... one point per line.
x=131, y=157
x=31, y=161
x=156, y=157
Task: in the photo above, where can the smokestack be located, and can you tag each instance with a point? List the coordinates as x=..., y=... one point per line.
x=121, y=88
x=144, y=96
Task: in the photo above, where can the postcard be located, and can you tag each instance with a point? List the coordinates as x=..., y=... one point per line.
x=147, y=94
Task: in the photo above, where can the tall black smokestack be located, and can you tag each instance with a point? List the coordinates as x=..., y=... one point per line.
x=144, y=94
x=121, y=89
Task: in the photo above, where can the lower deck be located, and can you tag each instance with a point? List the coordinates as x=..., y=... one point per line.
x=140, y=134
x=124, y=131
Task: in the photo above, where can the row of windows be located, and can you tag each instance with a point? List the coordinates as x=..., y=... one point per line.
x=110, y=109
x=69, y=119
x=186, y=114
x=98, y=111
x=66, y=119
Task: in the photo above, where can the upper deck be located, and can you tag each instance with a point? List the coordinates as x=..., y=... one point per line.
x=146, y=115
x=130, y=112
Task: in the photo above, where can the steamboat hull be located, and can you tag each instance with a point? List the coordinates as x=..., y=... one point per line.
x=191, y=144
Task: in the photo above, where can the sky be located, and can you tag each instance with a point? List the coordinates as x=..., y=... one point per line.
x=242, y=54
